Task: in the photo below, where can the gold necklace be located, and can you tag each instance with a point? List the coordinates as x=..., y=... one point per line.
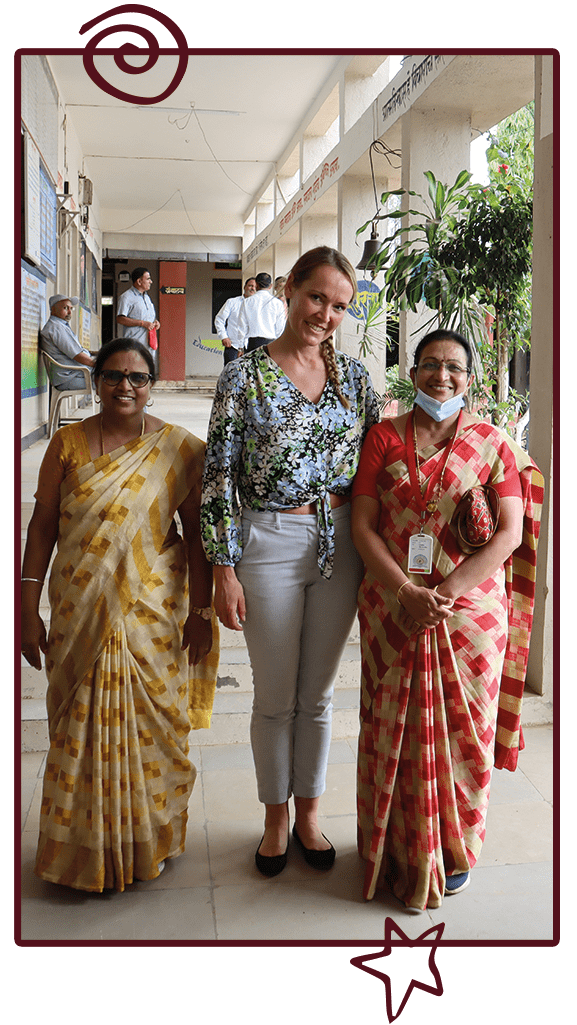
x=432, y=503
x=102, y=436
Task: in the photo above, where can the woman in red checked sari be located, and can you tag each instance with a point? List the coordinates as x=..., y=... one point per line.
x=444, y=634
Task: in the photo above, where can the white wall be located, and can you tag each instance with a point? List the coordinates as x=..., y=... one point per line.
x=199, y=318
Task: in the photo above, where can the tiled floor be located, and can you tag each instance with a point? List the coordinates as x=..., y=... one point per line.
x=214, y=892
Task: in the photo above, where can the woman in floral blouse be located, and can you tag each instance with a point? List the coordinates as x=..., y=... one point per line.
x=285, y=436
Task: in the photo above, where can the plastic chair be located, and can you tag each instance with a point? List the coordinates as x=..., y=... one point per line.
x=57, y=396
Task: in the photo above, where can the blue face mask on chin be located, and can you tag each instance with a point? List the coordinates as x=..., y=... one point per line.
x=439, y=410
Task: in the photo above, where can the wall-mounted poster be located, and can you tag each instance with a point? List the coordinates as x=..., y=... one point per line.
x=94, y=281
x=40, y=213
x=33, y=375
x=83, y=276
x=84, y=324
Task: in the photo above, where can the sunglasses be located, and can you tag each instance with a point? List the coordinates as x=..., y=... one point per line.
x=137, y=380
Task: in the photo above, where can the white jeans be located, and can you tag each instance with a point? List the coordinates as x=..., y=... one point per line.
x=297, y=625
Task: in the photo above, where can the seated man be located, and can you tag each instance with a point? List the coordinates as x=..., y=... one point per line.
x=58, y=339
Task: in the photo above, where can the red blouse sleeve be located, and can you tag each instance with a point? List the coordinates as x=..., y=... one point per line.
x=380, y=442
x=507, y=483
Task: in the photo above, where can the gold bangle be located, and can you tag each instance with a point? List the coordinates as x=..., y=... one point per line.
x=401, y=588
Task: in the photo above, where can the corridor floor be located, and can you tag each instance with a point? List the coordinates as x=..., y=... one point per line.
x=214, y=891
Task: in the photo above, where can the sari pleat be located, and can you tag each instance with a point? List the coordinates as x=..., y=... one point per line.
x=121, y=697
x=431, y=704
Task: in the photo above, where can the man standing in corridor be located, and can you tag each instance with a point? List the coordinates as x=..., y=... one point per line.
x=226, y=322
x=136, y=314
x=262, y=316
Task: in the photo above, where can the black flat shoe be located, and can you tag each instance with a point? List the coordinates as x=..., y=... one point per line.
x=273, y=865
x=316, y=859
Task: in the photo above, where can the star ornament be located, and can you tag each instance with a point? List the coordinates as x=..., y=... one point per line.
x=406, y=963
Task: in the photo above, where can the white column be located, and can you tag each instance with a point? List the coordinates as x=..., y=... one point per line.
x=540, y=672
x=318, y=231
x=432, y=140
x=286, y=254
x=357, y=205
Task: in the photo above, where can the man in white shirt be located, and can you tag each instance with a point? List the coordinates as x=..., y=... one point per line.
x=226, y=321
x=262, y=317
x=58, y=339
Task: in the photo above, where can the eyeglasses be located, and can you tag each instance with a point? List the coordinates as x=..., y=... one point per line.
x=137, y=380
x=430, y=365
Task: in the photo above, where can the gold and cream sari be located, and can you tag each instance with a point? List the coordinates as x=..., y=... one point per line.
x=121, y=697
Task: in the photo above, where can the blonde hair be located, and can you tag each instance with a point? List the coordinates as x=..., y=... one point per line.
x=329, y=355
x=303, y=268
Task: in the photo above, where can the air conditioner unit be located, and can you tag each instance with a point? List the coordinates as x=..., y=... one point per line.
x=86, y=192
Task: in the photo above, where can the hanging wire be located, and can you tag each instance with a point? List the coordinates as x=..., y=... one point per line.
x=177, y=192
x=386, y=151
x=182, y=124
x=208, y=248
x=216, y=158
x=119, y=231
x=185, y=118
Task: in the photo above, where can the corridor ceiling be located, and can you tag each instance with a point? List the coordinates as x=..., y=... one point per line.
x=206, y=151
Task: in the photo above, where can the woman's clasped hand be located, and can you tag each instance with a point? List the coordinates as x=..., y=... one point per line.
x=422, y=608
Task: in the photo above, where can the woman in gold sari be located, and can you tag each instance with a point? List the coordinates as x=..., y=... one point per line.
x=444, y=632
x=132, y=649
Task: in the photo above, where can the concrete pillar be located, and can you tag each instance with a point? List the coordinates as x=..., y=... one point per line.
x=264, y=215
x=249, y=231
x=542, y=390
x=357, y=205
x=318, y=231
x=285, y=188
x=264, y=264
x=436, y=140
x=286, y=255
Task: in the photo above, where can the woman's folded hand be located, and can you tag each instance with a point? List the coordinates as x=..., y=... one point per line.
x=423, y=608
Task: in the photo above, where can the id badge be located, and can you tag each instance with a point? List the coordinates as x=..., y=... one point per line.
x=420, y=554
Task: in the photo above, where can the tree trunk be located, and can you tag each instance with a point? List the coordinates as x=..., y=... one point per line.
x=502, y=364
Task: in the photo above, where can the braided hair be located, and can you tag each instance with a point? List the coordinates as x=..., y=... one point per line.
x=302, y=270
x=329, y=356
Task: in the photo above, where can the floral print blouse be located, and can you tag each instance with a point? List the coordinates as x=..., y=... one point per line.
x=270, y=448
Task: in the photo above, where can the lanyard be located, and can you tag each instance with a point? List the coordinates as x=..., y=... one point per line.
x=429, y=494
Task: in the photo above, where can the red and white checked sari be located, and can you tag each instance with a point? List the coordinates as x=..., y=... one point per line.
x=439, y=709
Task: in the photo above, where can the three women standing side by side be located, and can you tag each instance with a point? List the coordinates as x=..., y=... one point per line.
x=284, y=440
x=132, y=649
x=444, y=631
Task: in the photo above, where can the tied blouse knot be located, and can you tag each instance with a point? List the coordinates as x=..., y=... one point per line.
x=270, y=448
